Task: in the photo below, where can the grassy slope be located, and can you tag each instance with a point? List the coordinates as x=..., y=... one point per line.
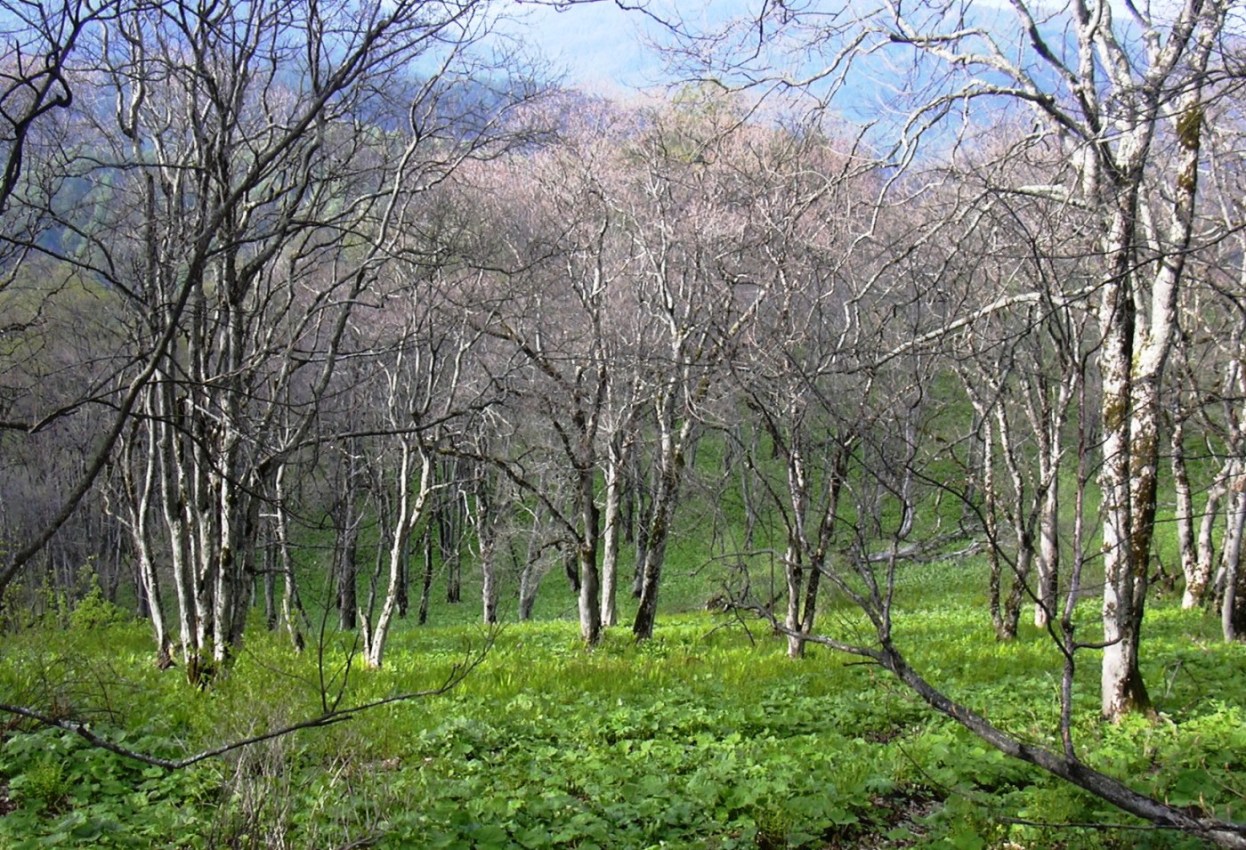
x=706, y=737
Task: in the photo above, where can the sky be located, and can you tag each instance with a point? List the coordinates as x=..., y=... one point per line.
x=601, y=48
x=608, y=51
x=605, y=50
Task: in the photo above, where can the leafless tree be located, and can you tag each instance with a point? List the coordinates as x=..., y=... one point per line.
x=794, y=362
x=424, y=381
x=248, y=194
x=1205, y=397
x=688, y=218
x=1021, y=356
x=554, y=245
x=1117, y=95
x=1123, y=93
x=40, y=41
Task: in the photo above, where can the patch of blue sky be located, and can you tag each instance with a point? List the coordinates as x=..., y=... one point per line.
x=607, y=50
x=601, y=48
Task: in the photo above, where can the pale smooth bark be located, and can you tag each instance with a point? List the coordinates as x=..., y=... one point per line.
x=619, y=450
x=1183, y=517
x=1113, y=94
x=1231, y=602
x=140, y=489
x=293, y=615
x=413, y=495
x=245, y=218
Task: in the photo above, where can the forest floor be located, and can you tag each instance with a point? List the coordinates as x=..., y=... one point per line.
x=706, y=736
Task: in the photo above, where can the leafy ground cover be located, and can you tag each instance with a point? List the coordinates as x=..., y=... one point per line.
x=705, y=737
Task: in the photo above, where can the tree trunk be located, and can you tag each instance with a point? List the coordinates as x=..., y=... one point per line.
x=409, y=513
x=794, y=575
x=488, y=584
x=292, y=613
x=140, y=493
x=1016, y=594
x=1205, y=553
x=793, y=558
x=612, y=517
x=528, y=580
x=1122, y=690
x=1231, y=601
x=673, y=446
x=590, y=601
x=650, y=571
x=404, y=580
x=1054, y=418
x=271, y=619
x=347, y=571
x=1187, y=552
x=486, y=535
x=426, y=585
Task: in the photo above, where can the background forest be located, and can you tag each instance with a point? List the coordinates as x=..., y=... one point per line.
x=334, y=336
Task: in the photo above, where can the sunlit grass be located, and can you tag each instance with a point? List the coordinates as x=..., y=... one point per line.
x=706, y=736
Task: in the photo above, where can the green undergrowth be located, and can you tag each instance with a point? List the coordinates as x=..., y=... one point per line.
x=707, y=736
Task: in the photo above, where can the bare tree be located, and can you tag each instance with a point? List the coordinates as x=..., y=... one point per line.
x=794, y=362
x=1018, y=277
x=1116, y=94
x=1205, y=400
x=249, y=193
x=40, y=41
x=423, y=384
x=688, y=220
x=1124, y=100
x=560, y=257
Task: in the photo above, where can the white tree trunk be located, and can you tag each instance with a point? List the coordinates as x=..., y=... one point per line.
x=1231, y=561
x=612, y=526
x=139, y=495
x=1183, y=515
x=1048, y=555
x=410, y=512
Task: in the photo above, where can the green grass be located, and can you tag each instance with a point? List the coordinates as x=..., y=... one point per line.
x=705, y=737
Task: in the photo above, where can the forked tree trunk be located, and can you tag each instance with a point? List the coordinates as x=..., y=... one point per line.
x=172, y=496
x=673, y=446
x=409, y=513
x=1205, y=554
x=139, y=492
x=528, y=581
x=649, y=572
